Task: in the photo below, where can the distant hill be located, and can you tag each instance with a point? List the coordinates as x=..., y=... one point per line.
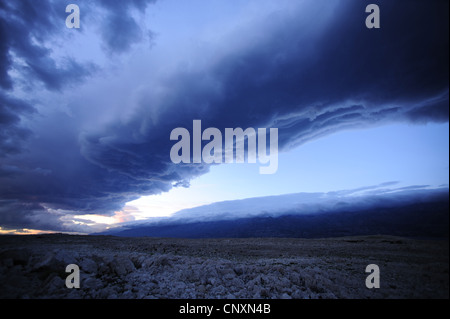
x=418, y=217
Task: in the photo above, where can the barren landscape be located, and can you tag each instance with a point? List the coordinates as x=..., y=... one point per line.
x=33, y=266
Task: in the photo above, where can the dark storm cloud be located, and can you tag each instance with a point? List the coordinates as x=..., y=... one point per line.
x=27, y=26
x=11, y=132
x=5, y=61
x=41, y=170
x=120, y=30
x=347, y=75
x=24, y=27
x=16, y=215
x=308, y=79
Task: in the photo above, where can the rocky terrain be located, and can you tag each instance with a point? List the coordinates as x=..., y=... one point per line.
x=115, y=267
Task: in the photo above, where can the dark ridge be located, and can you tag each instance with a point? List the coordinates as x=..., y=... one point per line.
x=423, y=220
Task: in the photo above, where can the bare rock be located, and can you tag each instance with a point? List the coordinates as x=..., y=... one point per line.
x=66, y=257
x=15, y=257
x=91, y=283
x=47, y=263
x=88, y=265
x=285, y=296
x=121, y=266
x=56, y=284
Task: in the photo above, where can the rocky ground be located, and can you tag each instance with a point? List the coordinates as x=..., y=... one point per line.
x=112, y=267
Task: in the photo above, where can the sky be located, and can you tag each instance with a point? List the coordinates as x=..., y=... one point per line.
x=86, y=114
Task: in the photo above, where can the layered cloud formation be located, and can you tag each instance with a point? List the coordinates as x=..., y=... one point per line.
x=86, y=135
x=378, y=209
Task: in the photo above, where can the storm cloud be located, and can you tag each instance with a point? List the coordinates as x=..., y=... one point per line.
x=310, y=71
